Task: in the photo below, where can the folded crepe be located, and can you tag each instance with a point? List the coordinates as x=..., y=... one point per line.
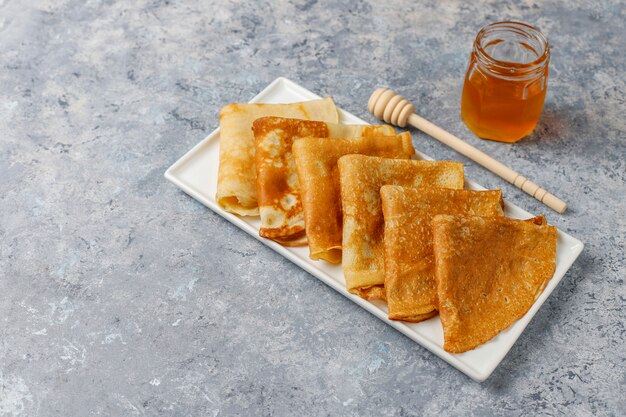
x=409, y=258
x=316, y=163
x=363, y=223
x=489, y=272
x=278, y=193
x=236, y=178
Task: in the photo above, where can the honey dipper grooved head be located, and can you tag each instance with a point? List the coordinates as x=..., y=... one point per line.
x=389, y=106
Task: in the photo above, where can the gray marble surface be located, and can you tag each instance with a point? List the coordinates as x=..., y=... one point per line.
x=120, y=295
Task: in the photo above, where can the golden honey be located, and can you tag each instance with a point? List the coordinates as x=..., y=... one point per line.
x=506, y=81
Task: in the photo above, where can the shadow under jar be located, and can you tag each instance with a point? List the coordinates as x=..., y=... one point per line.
x=506, y=81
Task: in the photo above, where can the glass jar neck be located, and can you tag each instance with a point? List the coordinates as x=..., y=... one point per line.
x=512, y=50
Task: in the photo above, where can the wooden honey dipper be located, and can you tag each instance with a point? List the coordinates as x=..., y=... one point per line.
x=391, y=107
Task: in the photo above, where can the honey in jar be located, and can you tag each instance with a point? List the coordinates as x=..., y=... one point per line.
x=506, y=81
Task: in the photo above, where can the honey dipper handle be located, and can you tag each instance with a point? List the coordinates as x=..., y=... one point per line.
x=488, y=162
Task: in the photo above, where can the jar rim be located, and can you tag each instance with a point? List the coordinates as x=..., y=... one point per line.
x=508, y=67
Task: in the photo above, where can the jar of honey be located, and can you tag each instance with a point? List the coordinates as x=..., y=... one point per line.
x=506, y=81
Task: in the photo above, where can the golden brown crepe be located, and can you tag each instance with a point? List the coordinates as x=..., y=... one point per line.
x=489, y=272
x=280, y=207
x=363, y=245
x=409, y=259
x=316, y=163
x=236, y=179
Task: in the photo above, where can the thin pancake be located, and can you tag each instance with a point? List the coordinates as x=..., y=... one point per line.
x=316, y=163
x=409, y=259
x=280, y=206
x=236, y=179
x=489, y=272
x=363, y=222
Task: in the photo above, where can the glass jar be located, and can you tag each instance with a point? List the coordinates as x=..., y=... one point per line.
x=506, y=81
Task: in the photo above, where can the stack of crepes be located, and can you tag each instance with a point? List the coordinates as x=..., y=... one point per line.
x=404, y=230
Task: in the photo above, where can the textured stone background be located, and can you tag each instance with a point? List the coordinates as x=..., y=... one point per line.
x=120, y=295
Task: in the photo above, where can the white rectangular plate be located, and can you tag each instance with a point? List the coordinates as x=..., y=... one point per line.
x=196, y=174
